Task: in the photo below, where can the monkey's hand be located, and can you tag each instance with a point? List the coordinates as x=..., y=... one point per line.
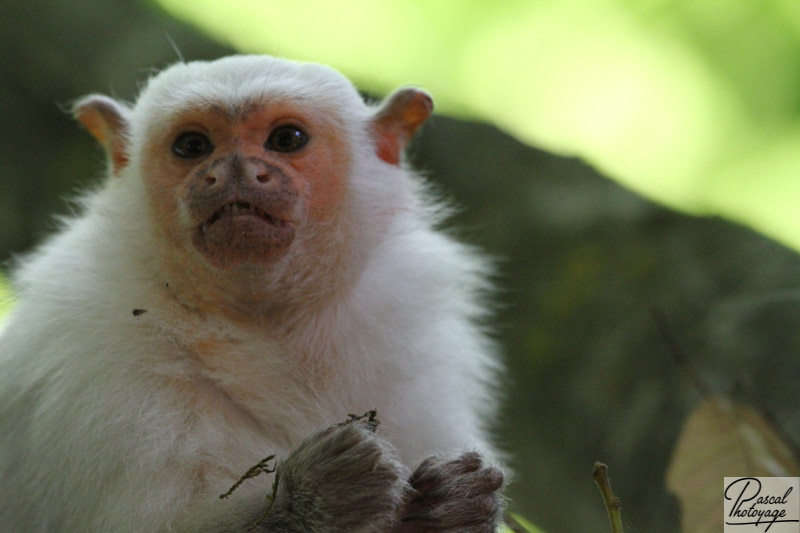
x=460, y=495
x=342, y=479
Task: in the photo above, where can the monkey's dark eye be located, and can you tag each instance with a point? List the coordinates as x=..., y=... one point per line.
x=191, y=145
x=286, y=139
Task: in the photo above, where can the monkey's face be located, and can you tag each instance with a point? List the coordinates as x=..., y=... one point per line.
x=257, y=165
x=240, y=184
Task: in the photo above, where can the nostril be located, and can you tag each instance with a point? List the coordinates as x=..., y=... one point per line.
x=263, y=178
x=210, y=180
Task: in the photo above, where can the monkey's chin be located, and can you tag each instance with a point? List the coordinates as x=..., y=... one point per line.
x=238, y=239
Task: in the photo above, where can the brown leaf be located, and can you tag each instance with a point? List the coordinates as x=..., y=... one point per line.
x=721, y=439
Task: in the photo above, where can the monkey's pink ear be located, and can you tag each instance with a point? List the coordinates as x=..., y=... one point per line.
x=396, y=121
x=107, y=120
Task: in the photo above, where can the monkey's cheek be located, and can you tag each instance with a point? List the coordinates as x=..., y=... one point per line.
x=232, y=241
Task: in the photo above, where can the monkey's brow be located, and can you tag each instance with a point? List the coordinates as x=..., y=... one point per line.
x=234, y=112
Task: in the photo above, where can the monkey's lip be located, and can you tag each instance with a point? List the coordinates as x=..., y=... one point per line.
x=242, y=208
x=241, y=227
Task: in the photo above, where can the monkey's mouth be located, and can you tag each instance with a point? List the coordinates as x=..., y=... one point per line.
x=241, y=231
x=240, y=208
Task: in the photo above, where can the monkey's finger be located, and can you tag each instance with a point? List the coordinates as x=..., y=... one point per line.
x=458, y=513
x=485, y=481
x=435, y=468
x=488, y=527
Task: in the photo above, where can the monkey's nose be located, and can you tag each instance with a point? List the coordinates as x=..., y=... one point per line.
x=256, y=171
x=253, y=172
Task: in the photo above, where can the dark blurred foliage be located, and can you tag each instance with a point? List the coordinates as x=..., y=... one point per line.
x=586, y=269
x=51, y=53
x=583, y=267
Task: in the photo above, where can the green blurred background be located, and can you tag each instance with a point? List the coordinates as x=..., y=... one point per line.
x=553, y=114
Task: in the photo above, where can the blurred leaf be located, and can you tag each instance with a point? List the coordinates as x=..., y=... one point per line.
x=6, y=300
x=722, y=439
x=689, y=103
x=523, y=524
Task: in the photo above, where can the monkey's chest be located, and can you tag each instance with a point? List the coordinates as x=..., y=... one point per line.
x=286, y=392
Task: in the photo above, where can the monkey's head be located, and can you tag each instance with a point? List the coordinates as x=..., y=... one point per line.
x=252, y=163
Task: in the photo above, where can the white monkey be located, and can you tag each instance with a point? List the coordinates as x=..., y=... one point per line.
x=258, y=264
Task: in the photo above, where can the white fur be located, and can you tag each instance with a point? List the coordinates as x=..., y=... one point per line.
x=111, y=422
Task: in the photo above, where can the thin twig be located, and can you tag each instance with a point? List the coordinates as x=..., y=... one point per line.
x=369, y=419
x=613, y=505
x=262, y=467
x=270, y=501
